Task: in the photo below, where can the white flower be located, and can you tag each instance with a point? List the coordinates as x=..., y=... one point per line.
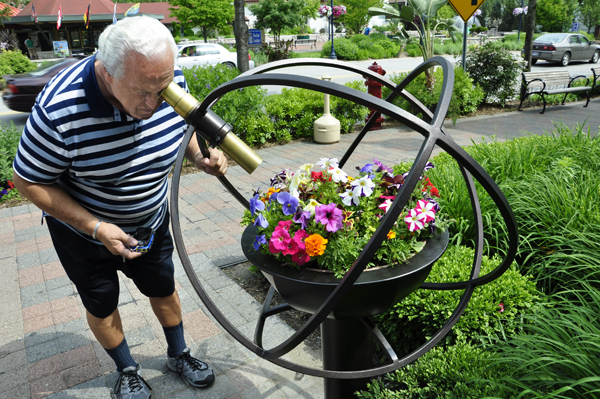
x=338, y=175
x=326, y=163
x=349, y=198
x=363, y=186
x=295, y=182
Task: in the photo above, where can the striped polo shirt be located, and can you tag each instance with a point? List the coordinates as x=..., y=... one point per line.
x=114, y=165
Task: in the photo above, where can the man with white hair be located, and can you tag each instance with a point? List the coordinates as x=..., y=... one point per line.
x=95, y=156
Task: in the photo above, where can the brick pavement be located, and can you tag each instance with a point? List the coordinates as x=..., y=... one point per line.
x=47, y=350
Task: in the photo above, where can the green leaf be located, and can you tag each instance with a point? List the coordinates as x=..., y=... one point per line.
x=407, y=14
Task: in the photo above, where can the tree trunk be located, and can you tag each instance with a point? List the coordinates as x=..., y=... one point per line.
x=529, y=29
x=241, y=36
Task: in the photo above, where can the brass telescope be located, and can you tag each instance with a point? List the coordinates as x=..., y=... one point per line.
x=211, y=127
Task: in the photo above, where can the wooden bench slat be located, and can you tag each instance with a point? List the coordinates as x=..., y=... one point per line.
x=551, y=83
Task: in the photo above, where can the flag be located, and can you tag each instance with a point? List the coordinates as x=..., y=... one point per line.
x=59, y=19
x=34, y=14
x=86, y=17
x=115, y=14
x=133, y=10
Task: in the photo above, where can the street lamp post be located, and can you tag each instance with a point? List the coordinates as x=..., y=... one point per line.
x=332, y=55
x=520, y=18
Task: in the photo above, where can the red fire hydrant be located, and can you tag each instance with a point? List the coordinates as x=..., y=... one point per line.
x=374, y=89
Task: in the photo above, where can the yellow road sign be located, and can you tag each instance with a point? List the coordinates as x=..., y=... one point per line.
x=465, y=8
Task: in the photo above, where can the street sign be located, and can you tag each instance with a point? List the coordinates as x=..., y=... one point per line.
x=575, y=27
x=466, y=8
x=254, y=37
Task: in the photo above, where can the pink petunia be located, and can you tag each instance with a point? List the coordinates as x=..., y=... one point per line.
x=300, y=258
x=291, y=247
x=426, y=208
x=285, y=225
x=414, y=220
x=299, y=237
x=278, y=239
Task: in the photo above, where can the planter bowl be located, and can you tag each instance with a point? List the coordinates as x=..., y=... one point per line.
x=374, y=292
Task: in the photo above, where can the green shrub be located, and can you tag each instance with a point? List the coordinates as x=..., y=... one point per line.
x=413, y=50
x=347, y=112
x=14, y=62
x=416, y=318
x=442, y=373
x=243, y=109
x=362, y=47
x=9, y=141
x=466, y=96
x=294, y=111
x=495, y=70
x=345, y=49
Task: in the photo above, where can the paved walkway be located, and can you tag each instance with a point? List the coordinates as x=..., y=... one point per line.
x=47, y=350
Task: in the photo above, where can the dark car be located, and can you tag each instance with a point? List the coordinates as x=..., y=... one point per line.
x=21, y=90
x=564, y=48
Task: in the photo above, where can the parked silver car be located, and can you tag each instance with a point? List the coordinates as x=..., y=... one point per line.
x=564, y=48
x=195, y=54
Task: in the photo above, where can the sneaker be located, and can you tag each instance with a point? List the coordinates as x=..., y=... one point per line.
x=192, y=370
x=131, y=385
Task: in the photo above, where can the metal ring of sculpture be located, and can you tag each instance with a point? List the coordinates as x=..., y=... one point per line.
x=431, y=128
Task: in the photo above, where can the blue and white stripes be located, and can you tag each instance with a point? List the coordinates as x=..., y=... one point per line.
x=115, y=166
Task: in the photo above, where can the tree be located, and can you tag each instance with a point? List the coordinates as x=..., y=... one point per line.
x=357, y=13
x=277, y=15
x=590, y=13
x=207, y=15
x=552, y=15
x=240, y=30
x=309, y=11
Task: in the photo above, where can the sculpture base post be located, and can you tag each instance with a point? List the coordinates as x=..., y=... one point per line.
x=347, y=345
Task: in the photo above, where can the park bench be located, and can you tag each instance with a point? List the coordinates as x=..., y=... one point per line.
x=546, y=83
x=596, y=72
x=312, y=42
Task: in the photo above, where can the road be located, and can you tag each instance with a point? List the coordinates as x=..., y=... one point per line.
x=390, y=65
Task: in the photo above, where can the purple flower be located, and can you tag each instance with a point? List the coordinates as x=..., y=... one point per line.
x=288, y=201
x=256, y=204
x=302, y=217
x=261, y=221
x=429, y=165
x=367, y=168
x=381, y=167
x=280, y=177
x=258, y=241
x=208, y=86
x=330, y=216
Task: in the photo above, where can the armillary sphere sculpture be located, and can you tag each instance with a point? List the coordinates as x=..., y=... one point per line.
x=341, y=370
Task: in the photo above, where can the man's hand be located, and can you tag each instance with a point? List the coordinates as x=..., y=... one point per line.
x=117, y=241
x=216, y=165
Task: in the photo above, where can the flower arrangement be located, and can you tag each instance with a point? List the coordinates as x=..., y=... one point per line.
x=327, y=11
x=327, y=217
x=519, y=11
x=6, y=190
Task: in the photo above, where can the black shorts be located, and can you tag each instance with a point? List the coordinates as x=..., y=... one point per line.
x=93, y=269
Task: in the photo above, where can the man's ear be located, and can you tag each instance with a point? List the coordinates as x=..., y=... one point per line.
x=108, y=78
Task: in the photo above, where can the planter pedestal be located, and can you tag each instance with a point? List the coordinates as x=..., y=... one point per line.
x=347, y=345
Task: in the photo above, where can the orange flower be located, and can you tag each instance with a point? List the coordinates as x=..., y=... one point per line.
x=391, y=235
x=315, y=245
x=270, y=191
